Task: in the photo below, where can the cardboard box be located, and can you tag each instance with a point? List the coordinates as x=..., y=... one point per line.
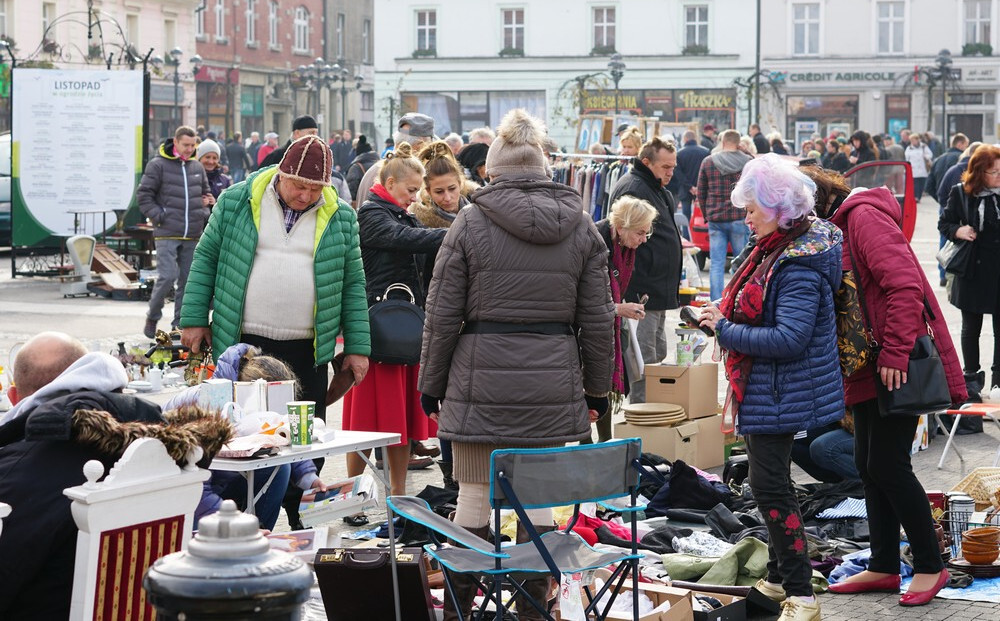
x=680, y=602
x=733, y=608
x=696, y=389
x=672, y=443
x=711, y=441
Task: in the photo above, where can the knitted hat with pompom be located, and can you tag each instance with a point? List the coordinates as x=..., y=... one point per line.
x=518, y=147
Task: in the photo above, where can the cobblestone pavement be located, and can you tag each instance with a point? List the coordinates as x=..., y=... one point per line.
x=28, y=306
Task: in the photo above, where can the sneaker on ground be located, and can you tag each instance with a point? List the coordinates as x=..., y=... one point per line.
x=149, y=330
x=774, y=592
x=796, y=609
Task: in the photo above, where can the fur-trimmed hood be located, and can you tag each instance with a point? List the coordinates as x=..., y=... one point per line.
x=109, y=422
x=428, y=213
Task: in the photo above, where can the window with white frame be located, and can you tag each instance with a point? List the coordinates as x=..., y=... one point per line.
x=366, y=41
x=805, y=27
x=199, y=22
x=604, y=27
x=341, y=25
x=889, y=19
x=272, y=23
x=977, y=21
x=132, y=28
x=301, y=29
x=427, y=30
x=48, y=15
x=220, y=19
x=695, y=25
x=251, y=25
x=169, y=34
x=3, y=17
x=513, y=29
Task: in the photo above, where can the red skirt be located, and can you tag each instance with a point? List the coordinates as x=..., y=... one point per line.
x=388, y=401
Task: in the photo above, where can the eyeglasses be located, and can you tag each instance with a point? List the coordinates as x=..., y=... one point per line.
x=647, y=234
x=993, y=173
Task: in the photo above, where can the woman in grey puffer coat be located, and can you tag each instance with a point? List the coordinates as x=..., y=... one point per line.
x=518, y=337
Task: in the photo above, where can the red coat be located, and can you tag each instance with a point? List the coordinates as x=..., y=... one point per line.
x=894, y=286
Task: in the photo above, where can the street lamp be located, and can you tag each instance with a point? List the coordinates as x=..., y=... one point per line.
x=314, y=77
x=344, y=75
x=175, y=56
x=943, y=64
x=617, y=69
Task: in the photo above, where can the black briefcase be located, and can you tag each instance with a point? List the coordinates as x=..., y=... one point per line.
x=356, y=583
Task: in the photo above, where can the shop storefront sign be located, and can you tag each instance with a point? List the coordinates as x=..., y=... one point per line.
x=981, y=74
x=843, y=76
x=705, y=99
x=221, y=75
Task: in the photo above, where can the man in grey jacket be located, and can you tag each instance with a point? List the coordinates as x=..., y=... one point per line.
x=174, y=195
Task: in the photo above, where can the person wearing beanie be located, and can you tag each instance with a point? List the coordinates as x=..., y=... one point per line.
x=364, y=160
x=303, y=125
x=413, y=128
x=280, y=262
x=473, y=159
x=175, y=197
x=208, y=153
x=511, y=331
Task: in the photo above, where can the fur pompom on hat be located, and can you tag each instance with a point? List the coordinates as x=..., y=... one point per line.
x=518, y=147
x=208, y=146
x=308, y=160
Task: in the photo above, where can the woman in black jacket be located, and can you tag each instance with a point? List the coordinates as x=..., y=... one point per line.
x=973, y=216
x=394, y=248
x=864, y=148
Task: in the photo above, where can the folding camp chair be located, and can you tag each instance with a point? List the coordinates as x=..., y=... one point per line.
x=537, y=479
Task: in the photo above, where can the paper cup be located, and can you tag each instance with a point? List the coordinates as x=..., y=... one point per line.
x=301, y=415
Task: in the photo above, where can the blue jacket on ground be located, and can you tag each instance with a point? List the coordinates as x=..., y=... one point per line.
x=795, y=382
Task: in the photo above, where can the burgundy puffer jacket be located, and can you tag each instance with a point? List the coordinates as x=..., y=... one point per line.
x=894, y=287
x=522, y=253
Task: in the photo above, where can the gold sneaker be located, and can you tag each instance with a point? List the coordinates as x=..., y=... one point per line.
x=773, y=592
x=795, y=609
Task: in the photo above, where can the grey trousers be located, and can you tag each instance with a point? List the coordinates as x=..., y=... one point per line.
x=173, y=262
x=653, y=345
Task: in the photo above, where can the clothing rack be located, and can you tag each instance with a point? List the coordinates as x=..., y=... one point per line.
x=589, y=156
x=593, y=176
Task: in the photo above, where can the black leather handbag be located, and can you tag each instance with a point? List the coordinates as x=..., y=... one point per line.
x=397, y=328
x=926, y=388
x=356, y=583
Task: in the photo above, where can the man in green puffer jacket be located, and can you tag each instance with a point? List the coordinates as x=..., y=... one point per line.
x=280, y=260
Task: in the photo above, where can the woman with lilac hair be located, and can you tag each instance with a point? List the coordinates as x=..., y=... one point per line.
x=775, y=324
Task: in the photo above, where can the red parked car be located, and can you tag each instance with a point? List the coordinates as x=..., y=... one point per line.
x=897, y=176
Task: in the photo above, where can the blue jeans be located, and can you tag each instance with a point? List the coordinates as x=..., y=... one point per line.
x=238, y=174
x=269, y=504
x=721, y=235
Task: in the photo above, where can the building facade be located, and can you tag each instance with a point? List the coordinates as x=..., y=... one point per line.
x=350, y=28
x=54, y=33
x=252, y=50
x=467, y=63
x=873, y=64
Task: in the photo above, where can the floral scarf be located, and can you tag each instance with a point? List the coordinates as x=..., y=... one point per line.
x=622, y=264
x=743, y=303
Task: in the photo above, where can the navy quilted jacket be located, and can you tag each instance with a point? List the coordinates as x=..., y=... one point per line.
x=795, y=383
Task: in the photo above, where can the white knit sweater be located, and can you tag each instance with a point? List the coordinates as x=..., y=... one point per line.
x=281, y=292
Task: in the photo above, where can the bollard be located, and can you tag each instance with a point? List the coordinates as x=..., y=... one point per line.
x=228, y=572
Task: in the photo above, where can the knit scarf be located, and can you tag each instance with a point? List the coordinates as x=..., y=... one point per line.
x=379, y=190
x=622, y=264
x=743, y=303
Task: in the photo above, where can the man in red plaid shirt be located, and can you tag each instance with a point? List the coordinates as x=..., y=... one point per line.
x=716, y=178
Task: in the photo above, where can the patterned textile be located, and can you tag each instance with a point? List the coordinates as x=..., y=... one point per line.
x=125, y=555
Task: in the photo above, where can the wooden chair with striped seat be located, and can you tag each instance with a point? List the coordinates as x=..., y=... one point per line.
x=143, y=510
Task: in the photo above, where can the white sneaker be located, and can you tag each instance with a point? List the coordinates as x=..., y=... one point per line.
x=796, y=609
x=774, y=592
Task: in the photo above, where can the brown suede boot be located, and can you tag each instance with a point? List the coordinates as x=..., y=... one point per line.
x=465, y=586
x=537, y=588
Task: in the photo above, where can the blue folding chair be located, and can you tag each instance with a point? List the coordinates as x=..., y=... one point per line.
x=538, y=479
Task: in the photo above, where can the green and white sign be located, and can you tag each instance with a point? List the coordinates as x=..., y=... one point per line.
x=77, y=149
